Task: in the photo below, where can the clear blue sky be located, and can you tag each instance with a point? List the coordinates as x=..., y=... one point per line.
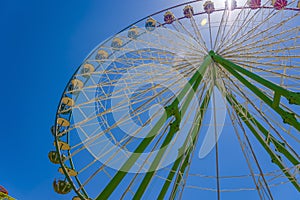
x=42, y=43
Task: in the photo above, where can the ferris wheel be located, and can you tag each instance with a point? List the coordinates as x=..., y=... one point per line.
x=198, y=99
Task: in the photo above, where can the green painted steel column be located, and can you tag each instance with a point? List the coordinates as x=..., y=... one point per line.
x=118, y=177
x=155, y=163
x=247, y=119
x=293, y=97
x=288, y=117
x=195, y=133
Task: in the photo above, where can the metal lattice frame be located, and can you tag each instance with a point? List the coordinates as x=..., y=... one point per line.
x=254, y=62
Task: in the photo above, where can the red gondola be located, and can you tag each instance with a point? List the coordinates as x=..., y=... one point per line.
x=3, y=190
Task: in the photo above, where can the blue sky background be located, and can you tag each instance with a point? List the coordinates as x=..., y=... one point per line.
x=42, y=43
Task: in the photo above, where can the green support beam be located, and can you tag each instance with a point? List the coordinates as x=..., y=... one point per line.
x=294, y=98
x=251, y=122
x=173, y=111
x=196, y=131
x=118, y=177
x=174, y=127
x=155, y=163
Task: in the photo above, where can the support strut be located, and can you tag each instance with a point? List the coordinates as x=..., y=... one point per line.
x=293, y=97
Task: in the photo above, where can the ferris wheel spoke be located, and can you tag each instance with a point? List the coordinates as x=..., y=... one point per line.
x=93, y=100
x=225, y=34
x=267, y=19
x=92, y=139
x=85, y=142
x=132, y=181
x=222, y=27
x=269, y=56
x=292, y=155
x=239, y=32
x=128, y=164
x=210, y=32
x=247, y=116
x=246, y=143
x=252, y=34
x=198, y=34
x=146, y=80
x=186, y=45
x=268, y=67
x=118, y=105
x=266, y=120
x=182, y=159
x=274, y=104
x=264, y=52
x=203, y=49
x=268, y=41
x=272, y=73
x=247, y=18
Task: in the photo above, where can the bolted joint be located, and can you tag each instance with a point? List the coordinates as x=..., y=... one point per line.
x=172, y=109
x=182, y=150
x=294, y=98
x=211, y=53
x=174, y=127
x=276, y=159
x=289, y=118
x=279, y=144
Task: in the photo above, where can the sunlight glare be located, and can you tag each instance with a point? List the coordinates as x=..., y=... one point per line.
x=204, y=22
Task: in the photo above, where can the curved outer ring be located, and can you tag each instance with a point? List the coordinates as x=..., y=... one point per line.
x=70, y=180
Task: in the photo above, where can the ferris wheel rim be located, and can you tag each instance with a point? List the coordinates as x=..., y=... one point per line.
x=63, y=95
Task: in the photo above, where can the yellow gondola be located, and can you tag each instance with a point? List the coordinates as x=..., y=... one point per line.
x=87, y=69
x=63, y=122
x=101, y=54
x=150, y=24
x=133, y=32
x=75, y=86
x=5, y=197
x=53, y=157
x=68, y=101
x=71, y=172
x=116, y=43
x=62, y=187
x=63, y=145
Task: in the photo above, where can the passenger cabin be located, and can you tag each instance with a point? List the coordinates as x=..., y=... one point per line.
x=87, y=70
x=62, y=187
x=133, y=32
x=169, y=17
x=116, y=43
x=188, y=11
x=101, y=54
x=254, y=4
x=209, y=7
x=150, y=24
